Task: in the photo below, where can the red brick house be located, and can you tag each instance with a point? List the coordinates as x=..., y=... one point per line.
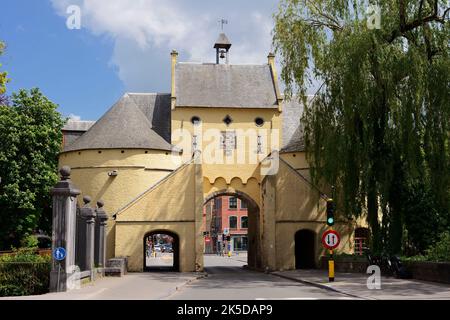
x=225, y=215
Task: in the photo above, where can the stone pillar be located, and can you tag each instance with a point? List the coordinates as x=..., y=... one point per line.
x=63, y=230
x=88, y=214
x=100, y=235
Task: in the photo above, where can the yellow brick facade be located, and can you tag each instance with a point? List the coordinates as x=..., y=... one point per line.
x=158, y=190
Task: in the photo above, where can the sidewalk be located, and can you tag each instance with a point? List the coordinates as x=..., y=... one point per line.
x=354, y=285
x=133, y=286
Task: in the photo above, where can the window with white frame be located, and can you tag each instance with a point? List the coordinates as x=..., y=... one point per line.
x=244, y=222
x=232, y=203
x=232, y=222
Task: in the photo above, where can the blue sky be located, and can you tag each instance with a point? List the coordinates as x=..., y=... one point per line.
x=122, y=46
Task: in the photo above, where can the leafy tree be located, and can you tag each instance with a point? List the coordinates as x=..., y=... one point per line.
x=379, y=123
x=440, y=251
x=422, y=220
x=3, y=78
x=30, y=135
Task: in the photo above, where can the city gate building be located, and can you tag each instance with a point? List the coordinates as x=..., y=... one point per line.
x=222, y=129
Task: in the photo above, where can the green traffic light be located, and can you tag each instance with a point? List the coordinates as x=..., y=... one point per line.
x=330, y=220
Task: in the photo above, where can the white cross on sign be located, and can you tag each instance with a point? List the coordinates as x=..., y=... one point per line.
x=330, y=239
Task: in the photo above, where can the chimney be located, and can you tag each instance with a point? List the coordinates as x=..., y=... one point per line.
x=173, y=99
x=271, y=62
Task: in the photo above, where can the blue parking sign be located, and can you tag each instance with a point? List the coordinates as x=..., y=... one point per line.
x=59, y=253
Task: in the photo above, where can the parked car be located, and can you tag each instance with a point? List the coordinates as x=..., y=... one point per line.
x=167, y=247
x=44, y=241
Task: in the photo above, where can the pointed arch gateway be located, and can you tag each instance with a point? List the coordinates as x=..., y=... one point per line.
x=254, y=255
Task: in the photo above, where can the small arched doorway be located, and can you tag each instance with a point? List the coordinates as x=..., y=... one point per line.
x=161, y=251
x=305, y=247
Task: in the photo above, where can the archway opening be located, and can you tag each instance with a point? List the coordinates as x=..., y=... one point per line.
x=231, y=229
x=305, y=246
x=161, y=251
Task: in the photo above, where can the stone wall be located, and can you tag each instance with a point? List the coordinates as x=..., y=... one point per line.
x=429, y=271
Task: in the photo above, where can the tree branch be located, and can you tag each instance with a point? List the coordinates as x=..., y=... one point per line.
x=334, y=22
x=406, y=27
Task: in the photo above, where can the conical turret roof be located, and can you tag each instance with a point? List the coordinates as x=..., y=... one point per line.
x=124, y=126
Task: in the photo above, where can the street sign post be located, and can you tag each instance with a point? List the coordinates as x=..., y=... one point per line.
x=59, y=254
x=331, y=240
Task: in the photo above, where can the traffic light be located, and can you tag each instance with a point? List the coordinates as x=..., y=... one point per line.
x=330, y=212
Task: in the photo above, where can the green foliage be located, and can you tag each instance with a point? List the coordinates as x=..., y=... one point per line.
x=440, y=251
x=418, y=258
x=24, y=273
x=3, y=75
x=30, y=241
x=437, y=252
x=30, y=135
x=422, y=219
x=379, y=125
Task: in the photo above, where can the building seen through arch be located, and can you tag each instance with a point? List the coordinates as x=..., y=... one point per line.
x=226, y=225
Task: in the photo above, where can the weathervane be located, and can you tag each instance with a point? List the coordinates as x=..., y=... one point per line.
x=222, y=22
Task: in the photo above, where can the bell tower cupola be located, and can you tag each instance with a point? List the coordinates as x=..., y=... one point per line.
x=222, y=47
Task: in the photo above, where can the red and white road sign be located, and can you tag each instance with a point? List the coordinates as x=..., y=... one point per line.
x=331, y=239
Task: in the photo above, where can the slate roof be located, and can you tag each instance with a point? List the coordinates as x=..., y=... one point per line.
x=292, y=129
x=224, y=86
x=128, y=124
x=78, y=125
x=156, y=107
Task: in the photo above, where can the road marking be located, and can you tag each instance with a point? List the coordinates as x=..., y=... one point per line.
x=306, y=298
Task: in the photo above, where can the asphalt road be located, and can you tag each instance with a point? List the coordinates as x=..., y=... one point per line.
x=228, y=280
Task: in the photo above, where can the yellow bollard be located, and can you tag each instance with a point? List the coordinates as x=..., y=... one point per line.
x=331, y=267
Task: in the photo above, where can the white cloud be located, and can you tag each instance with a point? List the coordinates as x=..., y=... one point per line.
x=74, y=117
x=145, y=31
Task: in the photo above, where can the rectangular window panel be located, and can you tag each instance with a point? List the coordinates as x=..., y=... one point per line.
x=244, y=222
x=233, y=222
x=232, y=203
x=228, y=141
x=259, y=146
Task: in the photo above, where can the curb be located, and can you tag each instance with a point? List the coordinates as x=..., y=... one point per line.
x=178, y=288
x=317, y=285
x=198, y=277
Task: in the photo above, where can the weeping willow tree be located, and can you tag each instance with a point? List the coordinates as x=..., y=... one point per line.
x=378, y=127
